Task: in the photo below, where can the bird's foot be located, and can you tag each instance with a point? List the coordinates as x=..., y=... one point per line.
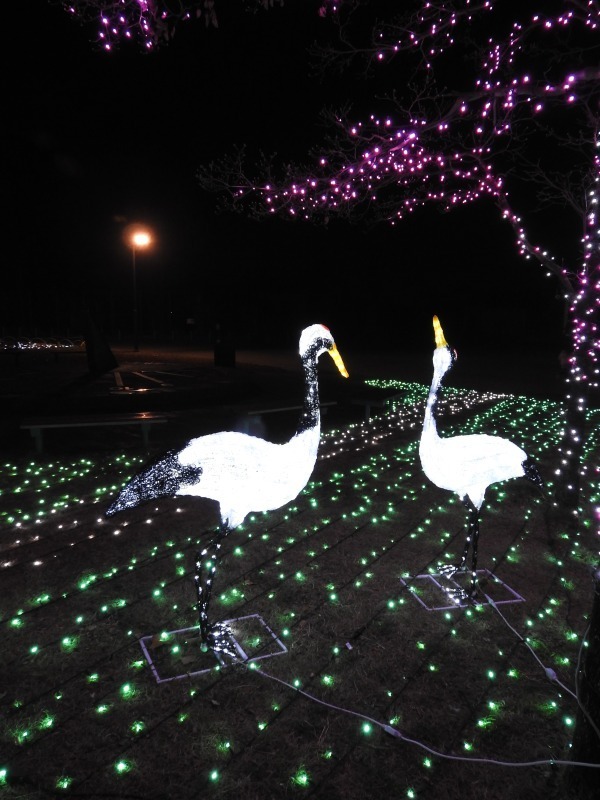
x=460, y=596
x=219, y=639
x=448, y=570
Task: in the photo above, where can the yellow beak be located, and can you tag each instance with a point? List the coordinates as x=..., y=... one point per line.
x=337, y=360
x=440, y=340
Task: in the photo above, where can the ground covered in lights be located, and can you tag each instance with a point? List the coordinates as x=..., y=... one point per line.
x=361, y=679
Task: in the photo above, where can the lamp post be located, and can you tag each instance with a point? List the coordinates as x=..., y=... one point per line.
x=140, y=239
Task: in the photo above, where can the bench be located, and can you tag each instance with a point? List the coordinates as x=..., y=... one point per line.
x=370, y=402
x=144, y=419
x=260, y=412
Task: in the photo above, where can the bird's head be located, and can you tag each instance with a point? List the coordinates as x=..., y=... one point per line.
x=317, y=339
x=444, y=356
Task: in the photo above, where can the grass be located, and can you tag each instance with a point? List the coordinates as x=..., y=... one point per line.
x=366, y=682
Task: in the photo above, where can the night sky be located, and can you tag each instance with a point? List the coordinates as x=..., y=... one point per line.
x=95, y=141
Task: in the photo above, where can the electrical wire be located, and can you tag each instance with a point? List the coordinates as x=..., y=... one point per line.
x=550, y=673
x=396, y=734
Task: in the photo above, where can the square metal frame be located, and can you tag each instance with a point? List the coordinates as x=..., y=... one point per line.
x=513, y=596
x=222, y=659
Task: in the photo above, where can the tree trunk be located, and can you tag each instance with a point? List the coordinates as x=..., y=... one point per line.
x=584, y=781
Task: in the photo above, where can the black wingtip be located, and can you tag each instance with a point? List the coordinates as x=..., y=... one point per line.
x=163, y=478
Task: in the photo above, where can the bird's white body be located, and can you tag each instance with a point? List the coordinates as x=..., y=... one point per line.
x=244, y=472
x=469, y=464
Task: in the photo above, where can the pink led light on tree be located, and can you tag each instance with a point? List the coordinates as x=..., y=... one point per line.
x=146, y=24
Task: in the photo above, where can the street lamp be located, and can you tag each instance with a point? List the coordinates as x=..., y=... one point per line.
x=139, y=239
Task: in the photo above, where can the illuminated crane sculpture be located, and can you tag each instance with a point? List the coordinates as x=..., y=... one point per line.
x=466, y=464
x=243, y=473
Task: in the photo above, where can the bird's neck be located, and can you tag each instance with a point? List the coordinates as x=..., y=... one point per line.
x=429, y=421
x=310, y=416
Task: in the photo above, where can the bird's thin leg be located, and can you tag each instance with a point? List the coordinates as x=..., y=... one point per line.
x=451, y=569
x=474, y=536
x=472, y=540
x=206, y=566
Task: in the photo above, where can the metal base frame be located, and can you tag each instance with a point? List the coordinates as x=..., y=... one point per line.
x=435, y=586
x=251, y=639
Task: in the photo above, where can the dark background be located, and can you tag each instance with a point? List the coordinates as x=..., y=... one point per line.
x=95, y=141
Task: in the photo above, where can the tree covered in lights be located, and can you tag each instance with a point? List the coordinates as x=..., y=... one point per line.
x=470, y=102
x=148, y=24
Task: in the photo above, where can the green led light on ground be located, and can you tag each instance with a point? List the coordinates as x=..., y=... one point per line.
x=301, y=778
x=21, y=736
x=46, y=722
x=549, y=707
x=64, y=782
x=123, y=766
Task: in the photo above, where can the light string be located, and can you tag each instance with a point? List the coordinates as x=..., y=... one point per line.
x=392, y=731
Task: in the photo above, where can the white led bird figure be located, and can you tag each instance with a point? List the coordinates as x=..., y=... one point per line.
x=243, y=473
x=466, y=464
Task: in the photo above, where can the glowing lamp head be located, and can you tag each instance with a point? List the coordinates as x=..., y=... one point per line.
x=140, y=239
